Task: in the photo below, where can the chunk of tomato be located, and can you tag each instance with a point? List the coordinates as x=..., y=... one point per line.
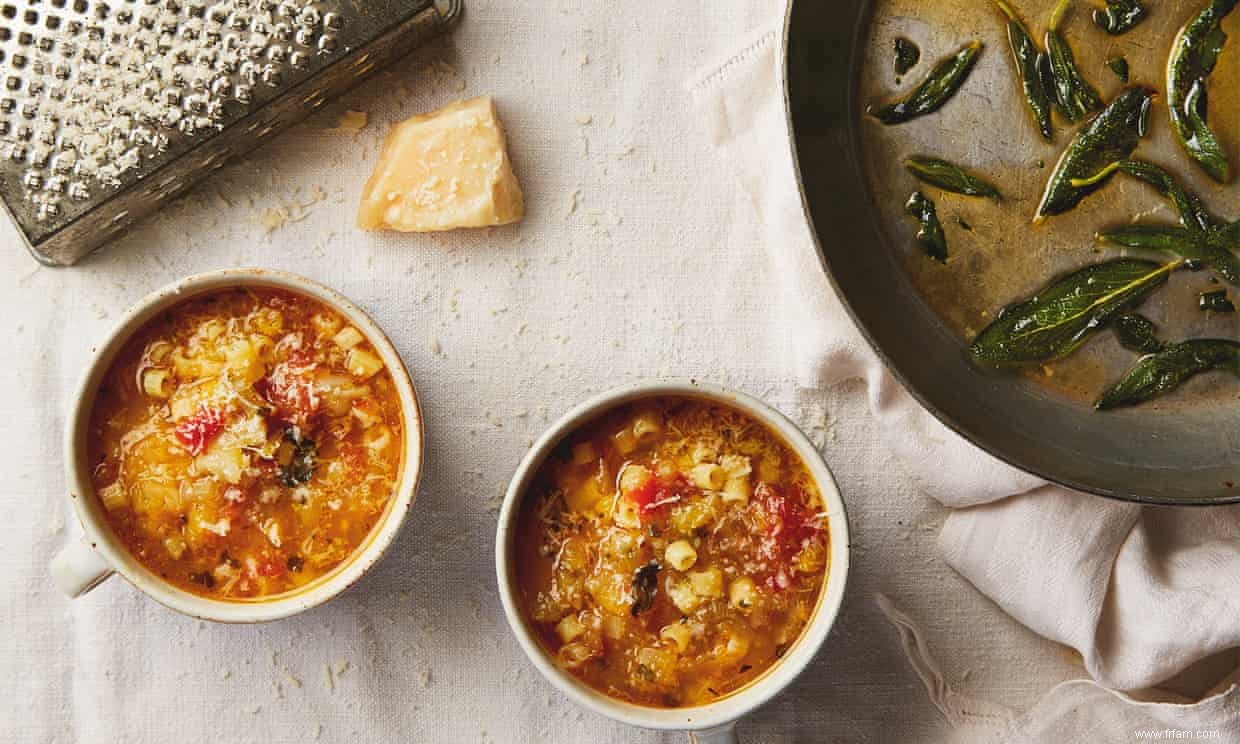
x=198, y=430
x=271, y=566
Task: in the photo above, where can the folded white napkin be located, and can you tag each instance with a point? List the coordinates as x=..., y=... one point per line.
x=1140, y=593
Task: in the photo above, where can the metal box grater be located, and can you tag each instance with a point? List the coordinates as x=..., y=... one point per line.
x=110, y=109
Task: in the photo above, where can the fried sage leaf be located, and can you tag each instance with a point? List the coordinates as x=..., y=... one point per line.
x=1136, y=333
x=1193, y=212
x=1111, y=136
x=1119, y=66
x=1029, y=61
x=1193, y=56
x=296, y=457
x=908, y=55
x=938, y=87
x=1166, y=370
x=1215, y=301
x=1177, y=241
x=1075, y=97
x=1119, y=16
x=1061, y=317
x=645, y=588
x=949, y=176
x=930, y=230
x=1204, y=237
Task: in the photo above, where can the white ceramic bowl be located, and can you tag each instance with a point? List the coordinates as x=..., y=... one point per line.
x=707, y=723
x=84, y=563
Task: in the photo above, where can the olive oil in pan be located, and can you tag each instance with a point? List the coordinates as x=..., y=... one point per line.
x=986, y=128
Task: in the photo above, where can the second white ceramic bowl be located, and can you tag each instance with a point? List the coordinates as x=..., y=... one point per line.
x=83, y=564
x=708, y=723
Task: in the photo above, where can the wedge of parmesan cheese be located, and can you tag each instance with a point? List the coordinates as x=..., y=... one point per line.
x=443, y=170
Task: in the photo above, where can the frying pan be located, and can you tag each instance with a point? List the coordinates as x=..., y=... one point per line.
x=1182, y=451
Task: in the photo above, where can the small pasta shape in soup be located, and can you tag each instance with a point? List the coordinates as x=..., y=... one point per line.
x=245, y=442
x=671, y=551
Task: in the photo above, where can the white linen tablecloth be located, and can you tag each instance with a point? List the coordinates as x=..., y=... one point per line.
x=641, y=258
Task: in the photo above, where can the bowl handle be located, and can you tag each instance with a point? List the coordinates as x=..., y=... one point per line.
x=725, y=734
x=78, y=568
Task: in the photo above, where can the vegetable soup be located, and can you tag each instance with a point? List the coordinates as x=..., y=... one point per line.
x=245, y=442
x=671, y=551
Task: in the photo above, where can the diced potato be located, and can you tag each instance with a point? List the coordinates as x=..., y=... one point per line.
x=175, y=545
x=688, y=516
x=268, y=321
x=574, y=655
x=707, y=475
x=210, y=330
x=678, y=634
x=366, y=412
x=362, y=363
x=583, y=453
x=154, y=497
x=682, y=595
x=624, y=441
x=611, y=592
x=708, y=583
x=326, y=324
x=612, y=626
x=586, y=498
x=242, y=360
x=627, y=515
x=743, y=593
x=681, y=555
x=811, y=559
x=548, y=607
x=378, y=437
x=705, y=452
x=225, y=463
x=634, y=477
x=657, y=667
x=569, y=629
x=732, y=647
x=574, y=555
x=737, y=490
x=736, y=466
x=249, y=430
x=156, y=382
x=113, y=496
x=348, y=337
